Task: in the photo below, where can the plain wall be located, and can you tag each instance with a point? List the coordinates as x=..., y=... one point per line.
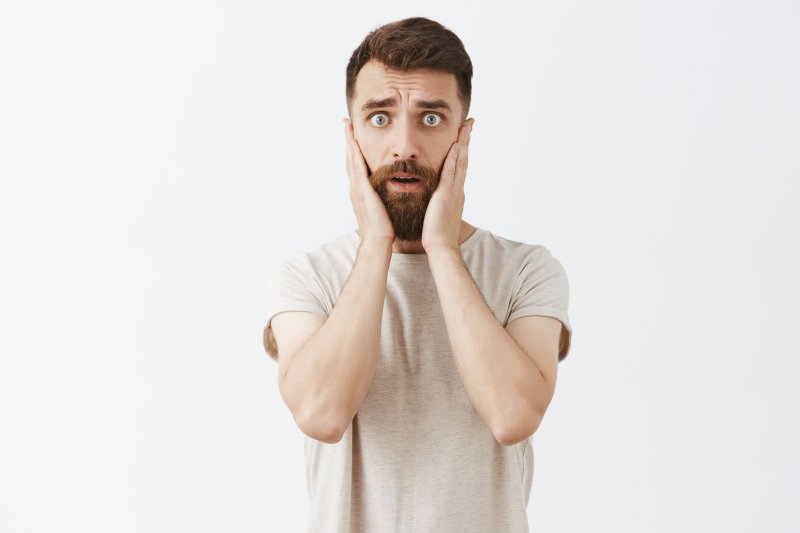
x=159, y=159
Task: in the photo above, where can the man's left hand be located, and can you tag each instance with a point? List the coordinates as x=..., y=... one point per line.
x=442, y=225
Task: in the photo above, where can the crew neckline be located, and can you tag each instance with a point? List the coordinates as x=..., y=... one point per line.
x=399, y=257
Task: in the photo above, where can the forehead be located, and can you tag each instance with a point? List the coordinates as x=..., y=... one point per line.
x=376, y=80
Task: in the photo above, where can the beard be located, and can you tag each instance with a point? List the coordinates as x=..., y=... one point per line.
x=406, y=209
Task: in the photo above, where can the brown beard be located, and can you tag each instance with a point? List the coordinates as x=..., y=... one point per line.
x=406, y=209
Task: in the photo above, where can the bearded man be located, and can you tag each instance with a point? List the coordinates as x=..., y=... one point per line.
x=418, y=353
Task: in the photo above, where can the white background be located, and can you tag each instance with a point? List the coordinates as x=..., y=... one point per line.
x=158, y=160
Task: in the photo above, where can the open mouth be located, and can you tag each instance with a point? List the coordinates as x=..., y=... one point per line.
x=405, y=183
x=405, y=179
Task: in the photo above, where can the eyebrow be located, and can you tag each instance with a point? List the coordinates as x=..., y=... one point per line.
x=374, y=103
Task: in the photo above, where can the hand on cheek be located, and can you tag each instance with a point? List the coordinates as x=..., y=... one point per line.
x=373, y=220
x=442, y=224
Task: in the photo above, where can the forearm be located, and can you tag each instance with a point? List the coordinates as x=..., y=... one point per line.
x=501, y=380
x=334, y=369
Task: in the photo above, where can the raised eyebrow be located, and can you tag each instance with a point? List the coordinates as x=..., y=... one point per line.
x=374, y=103
x=433, y=104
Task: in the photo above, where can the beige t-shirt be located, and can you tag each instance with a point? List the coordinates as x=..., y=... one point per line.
x=417, y=457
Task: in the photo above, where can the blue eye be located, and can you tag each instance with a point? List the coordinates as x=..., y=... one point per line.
x=432, y=119
x=379, y=119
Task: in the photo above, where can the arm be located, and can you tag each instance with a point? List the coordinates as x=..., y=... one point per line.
x=326, y=369
x=324, y=375
x=509, y=374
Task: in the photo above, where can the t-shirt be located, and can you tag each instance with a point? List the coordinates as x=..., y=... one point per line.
x=417, y=456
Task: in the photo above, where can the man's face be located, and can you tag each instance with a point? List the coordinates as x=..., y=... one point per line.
x=405, y=124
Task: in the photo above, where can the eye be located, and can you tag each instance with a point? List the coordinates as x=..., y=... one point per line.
x=379, y=119
x=432, y=119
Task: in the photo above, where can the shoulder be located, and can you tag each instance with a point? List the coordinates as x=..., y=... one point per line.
x=340, y=251
x=488, y=246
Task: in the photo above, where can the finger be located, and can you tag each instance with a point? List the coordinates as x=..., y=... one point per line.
x=359, y=162
x=357, y=157
x=348, y=128
x=460, y=174
x=348, y=131
x=349, y=154
x=463, y=131
x=462, y=134
x=449, y=167
x=463, y=155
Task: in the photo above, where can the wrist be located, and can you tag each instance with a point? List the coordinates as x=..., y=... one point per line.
x=439, y=244
x=444, y=253
x=375, y=246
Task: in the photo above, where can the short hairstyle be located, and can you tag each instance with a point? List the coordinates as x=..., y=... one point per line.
x=413, y=43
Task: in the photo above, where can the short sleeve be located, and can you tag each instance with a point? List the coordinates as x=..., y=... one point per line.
x=293, y=287
x=542, y=289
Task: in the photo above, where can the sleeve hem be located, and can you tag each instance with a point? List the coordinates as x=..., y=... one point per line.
x=565, y=341
x=268, y=339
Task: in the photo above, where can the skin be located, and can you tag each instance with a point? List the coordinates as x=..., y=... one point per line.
x=327, y=364
x=406, y=134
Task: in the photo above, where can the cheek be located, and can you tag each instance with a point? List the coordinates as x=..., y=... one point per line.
x=372, y=161
x=442, y=153
x=452, y=138
x=369, y=149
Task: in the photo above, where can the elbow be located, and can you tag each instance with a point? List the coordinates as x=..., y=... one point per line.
x=518, y=431
x=324, y=428
x=326, y=435
x=311, y=420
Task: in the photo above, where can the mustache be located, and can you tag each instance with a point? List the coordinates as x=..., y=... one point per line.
x=427, y=175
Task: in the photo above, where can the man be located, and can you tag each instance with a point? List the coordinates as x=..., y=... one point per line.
x=419, y=353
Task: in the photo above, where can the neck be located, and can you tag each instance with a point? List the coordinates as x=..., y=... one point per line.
x=415, y=247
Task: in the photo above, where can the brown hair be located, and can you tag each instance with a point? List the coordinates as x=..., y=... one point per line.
x=410, y=44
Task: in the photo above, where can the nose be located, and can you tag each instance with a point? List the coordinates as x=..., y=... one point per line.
x=405, y=143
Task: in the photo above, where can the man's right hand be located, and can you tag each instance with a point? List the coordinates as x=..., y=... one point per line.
x=373, y=220
x=327, y=364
